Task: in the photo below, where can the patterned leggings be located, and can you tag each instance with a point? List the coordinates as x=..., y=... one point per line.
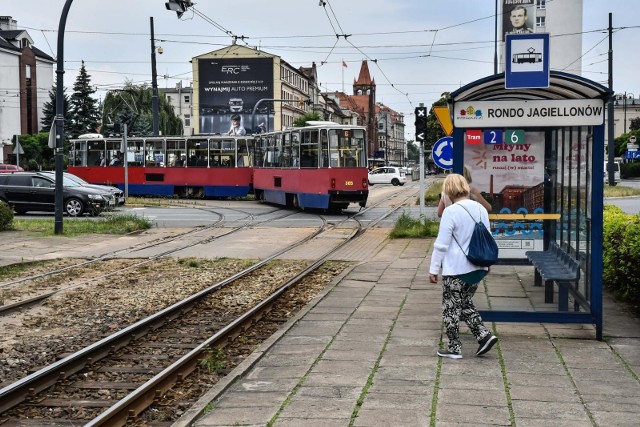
x=457, y=299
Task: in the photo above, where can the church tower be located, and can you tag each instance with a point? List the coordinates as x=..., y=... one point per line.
x=363, y=87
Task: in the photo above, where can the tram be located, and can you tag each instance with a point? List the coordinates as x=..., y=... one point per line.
x=207, y=166
x=322, y=165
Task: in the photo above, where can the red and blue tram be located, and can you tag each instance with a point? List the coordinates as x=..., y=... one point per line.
x=323, y=165
x=207, y=166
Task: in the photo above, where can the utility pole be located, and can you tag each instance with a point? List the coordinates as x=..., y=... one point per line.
x=495, y=42
x=59, y=147
x=610, y=135
x=154, y=82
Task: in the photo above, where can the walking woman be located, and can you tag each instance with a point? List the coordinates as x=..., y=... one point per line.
x=460, y=277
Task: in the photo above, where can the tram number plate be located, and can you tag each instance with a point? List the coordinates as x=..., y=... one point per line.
x=348, y=183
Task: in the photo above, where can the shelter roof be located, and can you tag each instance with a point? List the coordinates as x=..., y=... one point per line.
x=561, y=86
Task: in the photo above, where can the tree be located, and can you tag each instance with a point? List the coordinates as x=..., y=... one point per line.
x=37, y=154
x=49, y=111
x=413, y=151
x=84, y=110
x=634, y=124
x=302, y=121
x=132, y=105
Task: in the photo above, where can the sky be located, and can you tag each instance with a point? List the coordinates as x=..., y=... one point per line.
x=417, y=49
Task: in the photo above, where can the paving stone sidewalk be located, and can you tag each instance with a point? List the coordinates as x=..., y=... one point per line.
x=363, y=354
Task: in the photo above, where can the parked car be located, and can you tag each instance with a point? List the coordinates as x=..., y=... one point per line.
x=117, y=193
x=387, y=175
x=10, y=168
x=35, y=191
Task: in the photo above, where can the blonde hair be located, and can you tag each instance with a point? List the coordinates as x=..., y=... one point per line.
x=455, y=186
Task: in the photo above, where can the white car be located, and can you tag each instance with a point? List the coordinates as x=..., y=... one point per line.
x=387, y=175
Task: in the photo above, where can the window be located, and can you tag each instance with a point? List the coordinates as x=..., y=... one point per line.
x=169, y=99
x=186, y=99
x=27, y=71
x=540, y=21
x=541, y=4
x=187, y=120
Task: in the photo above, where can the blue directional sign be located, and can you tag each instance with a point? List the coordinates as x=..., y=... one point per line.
x=442, y=153
x=632, y=155
x=526, y=61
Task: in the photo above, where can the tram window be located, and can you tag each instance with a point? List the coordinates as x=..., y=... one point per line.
x=154, y=153
x=176, y=152
x=324, y=147
x=95, y=153
x=309, y=149
x=277, y=150
x=197, y=153
x=135, y=152
x=79, y=149
x=286, y=151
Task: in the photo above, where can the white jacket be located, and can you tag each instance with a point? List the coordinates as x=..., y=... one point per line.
x=446, y=252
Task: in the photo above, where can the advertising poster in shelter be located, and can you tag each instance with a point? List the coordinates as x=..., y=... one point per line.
x=228, y=92
x=511, y=177
x=518, y=17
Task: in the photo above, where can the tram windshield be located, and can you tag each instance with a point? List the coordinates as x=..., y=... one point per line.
x=312, y=147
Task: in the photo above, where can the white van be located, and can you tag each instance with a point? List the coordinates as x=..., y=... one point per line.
x=616, y=172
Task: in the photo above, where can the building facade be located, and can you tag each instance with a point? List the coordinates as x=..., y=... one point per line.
x=181, y=99
x=26, y=79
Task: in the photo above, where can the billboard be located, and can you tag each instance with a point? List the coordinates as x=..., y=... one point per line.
x=228, y=92
x=518, y=17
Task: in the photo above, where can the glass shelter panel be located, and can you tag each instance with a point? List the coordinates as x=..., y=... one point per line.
x=539, y=185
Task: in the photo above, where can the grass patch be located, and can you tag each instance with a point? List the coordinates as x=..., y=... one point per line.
x=116, y=224
x=13, y=270
x=432, y=194
x=409, y=227
x=620, y=191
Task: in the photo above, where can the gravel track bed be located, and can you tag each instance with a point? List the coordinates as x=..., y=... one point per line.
x=70, y=320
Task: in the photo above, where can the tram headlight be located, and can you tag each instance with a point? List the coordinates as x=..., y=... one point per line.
x=364, y=183
x=333, y=183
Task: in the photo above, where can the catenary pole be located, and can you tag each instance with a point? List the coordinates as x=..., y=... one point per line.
x=610, y=135
x=59, y=147
x=154, y=82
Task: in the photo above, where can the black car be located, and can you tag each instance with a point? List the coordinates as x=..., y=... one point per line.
x=117, y=193
x=34, y=191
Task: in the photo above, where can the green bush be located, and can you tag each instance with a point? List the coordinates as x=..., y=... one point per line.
x=6, y=217
x=630, y=170
x=621, y=254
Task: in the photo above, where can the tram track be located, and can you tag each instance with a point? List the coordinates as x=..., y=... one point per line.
x=45, y=294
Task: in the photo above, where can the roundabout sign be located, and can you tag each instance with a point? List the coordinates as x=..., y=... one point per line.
x=442, y=153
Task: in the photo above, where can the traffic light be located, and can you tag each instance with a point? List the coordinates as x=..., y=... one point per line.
x=421, y=122
x=179, y=6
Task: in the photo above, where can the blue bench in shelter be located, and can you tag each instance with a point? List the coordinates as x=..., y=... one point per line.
x=555, y=265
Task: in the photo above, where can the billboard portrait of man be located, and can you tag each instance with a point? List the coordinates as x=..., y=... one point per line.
x=518, y=16
x=229, y=91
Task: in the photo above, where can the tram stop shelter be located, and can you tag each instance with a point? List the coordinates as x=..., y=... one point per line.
x=537, y=155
